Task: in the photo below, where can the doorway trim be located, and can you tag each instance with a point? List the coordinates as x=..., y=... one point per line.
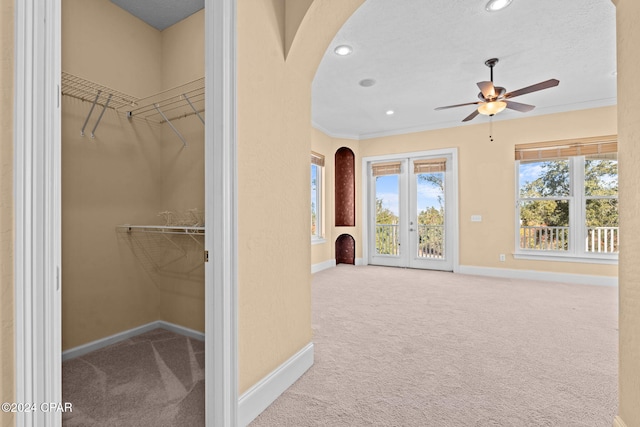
x=37, y=210
x=366, y=195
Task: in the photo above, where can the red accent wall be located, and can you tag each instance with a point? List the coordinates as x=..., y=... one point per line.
x=345, y=249
x=345, y=188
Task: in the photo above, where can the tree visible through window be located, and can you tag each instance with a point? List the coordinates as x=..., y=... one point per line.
x=569, y=204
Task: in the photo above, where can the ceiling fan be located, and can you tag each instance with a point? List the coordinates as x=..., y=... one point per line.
x=494, y=99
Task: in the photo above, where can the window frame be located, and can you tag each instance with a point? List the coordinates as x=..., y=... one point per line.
x=319, y=236
x=577, y=219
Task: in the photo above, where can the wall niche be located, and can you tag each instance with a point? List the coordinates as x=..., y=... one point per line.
x=345, y=249
x=345, y=188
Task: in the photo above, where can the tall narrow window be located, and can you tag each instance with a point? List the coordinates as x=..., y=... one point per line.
x=568, y=198
x=317, y=166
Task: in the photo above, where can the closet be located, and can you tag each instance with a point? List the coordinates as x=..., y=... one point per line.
x=132, y=212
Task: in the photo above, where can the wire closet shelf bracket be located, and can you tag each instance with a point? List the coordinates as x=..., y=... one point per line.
x=164, y=107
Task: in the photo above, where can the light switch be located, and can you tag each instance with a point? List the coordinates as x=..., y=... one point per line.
x=476, y=218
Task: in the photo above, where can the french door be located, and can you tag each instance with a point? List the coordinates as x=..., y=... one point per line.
x=411, y=212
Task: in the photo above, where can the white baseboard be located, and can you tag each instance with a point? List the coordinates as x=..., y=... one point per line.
x=264, y=393
x=582, y=279
x=121, y=336
x=360, y=261
x=323, y=266
x=617, y=422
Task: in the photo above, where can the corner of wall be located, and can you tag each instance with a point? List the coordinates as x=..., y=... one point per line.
x=7, y=362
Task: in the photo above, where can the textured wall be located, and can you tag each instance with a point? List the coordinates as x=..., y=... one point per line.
x=345, y=188
x=182, y=177
x=486, y=179
x=6, y=208
x=327, y=146
x=110, y=180
x=628, y=39
x=274, y=143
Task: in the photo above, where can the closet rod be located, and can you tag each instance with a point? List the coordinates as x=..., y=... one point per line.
x=90, y=112
x=171, y=124
x=193, y=108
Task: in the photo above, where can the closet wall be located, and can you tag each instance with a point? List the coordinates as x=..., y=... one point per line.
x=127, y=174
x=182, y=177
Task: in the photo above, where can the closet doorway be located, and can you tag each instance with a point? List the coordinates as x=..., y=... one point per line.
x=39, y=313
x=412, y=210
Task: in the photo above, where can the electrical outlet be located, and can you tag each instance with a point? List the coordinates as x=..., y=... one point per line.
x=502, y=258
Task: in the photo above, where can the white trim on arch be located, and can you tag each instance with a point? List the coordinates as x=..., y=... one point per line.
x=37, y=182
x=453, y=152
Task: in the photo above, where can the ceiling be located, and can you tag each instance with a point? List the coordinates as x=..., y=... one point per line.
x=426, y=54
x=160, y=14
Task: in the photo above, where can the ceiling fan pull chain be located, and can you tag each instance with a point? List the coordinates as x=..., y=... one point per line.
x=491, y=128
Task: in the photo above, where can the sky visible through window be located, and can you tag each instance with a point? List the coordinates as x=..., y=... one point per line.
x=387, y=189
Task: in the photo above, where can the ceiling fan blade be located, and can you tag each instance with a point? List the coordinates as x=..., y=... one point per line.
x=523, y=108
x=471, y=116
x=533, y=88
x=458, y=105
x=487, y=89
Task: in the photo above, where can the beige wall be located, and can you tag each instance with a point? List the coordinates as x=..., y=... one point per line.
x=110, y=180
x=182, y=178
x=327, y=146
x=129, y=173
x=628, y=39
x=486, y=179
x=6, y=208
x=274, y=143
x=486, y=176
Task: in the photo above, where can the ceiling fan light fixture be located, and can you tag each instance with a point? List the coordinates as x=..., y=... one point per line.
x=496, y=5
x=491, y=108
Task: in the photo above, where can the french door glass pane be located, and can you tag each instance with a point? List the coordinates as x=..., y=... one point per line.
x=387, y=214
x=430, y=205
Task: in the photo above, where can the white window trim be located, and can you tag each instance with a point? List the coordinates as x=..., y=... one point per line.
x=319, y=237
x=577, y=220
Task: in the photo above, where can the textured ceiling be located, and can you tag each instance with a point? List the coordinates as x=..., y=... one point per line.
x=160, y=14
x=426, y=54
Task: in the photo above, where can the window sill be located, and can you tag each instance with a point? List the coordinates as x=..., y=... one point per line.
x=317, y=240
x=560, y=257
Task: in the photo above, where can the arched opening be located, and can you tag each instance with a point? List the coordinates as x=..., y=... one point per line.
x=345, y=249
x=345, y=188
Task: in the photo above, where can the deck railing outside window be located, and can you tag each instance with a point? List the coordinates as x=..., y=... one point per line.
x=387, y=242
x=603, y=240
x=598, y=239
x=430, y=240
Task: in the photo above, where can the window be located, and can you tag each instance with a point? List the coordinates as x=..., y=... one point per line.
x=317, y=166
x=567, y=199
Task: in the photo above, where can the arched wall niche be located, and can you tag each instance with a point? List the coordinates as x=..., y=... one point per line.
x=345, y=188
x=345, y=249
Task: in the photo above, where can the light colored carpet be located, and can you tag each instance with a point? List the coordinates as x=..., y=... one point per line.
x=398, y=347
x=155, y=379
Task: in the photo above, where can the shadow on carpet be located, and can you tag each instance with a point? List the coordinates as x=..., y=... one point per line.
x=153, y=379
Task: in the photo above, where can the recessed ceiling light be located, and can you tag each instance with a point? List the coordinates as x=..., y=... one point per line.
x=343, y=50
x=367, y=82
x=390, y=112
x=495, y=5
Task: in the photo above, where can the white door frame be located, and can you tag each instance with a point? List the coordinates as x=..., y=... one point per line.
x=37, y=181
x=453, y=182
